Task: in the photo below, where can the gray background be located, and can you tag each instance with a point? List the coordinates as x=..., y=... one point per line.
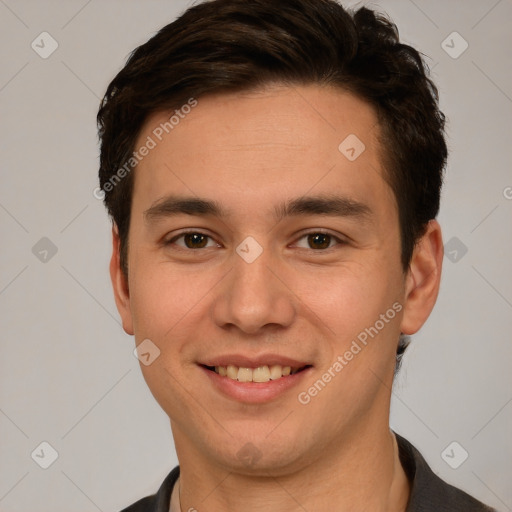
x=67, y=372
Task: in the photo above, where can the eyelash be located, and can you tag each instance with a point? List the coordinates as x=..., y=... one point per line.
x=338, y=240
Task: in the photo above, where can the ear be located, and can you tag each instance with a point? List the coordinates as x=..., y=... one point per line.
x=423, y=279
x=120, y=284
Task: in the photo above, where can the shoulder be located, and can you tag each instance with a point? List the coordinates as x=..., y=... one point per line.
x=428, y=492
x=160, y=501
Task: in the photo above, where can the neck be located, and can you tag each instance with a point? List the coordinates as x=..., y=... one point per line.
x=365, y=475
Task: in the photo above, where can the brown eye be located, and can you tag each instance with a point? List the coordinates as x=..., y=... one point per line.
x=319, y=240
x=195, y=240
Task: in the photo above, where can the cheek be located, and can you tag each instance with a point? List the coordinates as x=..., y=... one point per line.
x=158, y=300
x=170, y=303
x=165, y=309
x=348, y=299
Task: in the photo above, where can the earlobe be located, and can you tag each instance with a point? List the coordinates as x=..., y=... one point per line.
x=423, y=279
x=120, y=284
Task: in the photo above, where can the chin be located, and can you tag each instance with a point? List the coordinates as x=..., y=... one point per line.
x=262, y=458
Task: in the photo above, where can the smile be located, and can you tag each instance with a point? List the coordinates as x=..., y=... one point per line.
x=255, y=378
x=263, y=373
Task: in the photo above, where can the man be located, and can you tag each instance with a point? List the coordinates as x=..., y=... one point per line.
x=273, y=172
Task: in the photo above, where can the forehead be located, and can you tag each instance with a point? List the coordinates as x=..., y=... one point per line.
x=265, y=144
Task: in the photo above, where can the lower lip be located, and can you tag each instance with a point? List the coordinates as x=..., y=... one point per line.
x=255, y=392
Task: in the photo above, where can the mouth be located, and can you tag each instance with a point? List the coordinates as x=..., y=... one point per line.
x=260, y=374
x=255, y=379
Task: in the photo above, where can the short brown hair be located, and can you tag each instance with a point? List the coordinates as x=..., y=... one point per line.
x=232, y=45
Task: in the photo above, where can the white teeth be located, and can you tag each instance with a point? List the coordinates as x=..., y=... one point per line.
x=232, y=372
x=260, y=374
x=276, y=371
x=244, y=374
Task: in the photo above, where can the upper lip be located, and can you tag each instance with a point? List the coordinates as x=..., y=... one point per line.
x=254, y=361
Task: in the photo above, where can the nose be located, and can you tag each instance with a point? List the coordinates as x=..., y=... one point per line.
x=253, y=298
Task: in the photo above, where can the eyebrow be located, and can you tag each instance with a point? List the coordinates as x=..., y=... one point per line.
x=330, y=205
x=334, y=206
x=176, y=205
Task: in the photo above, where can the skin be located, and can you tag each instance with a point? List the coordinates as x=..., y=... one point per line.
x=250, y=152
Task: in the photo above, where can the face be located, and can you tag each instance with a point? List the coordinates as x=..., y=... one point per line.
x=263, y=246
